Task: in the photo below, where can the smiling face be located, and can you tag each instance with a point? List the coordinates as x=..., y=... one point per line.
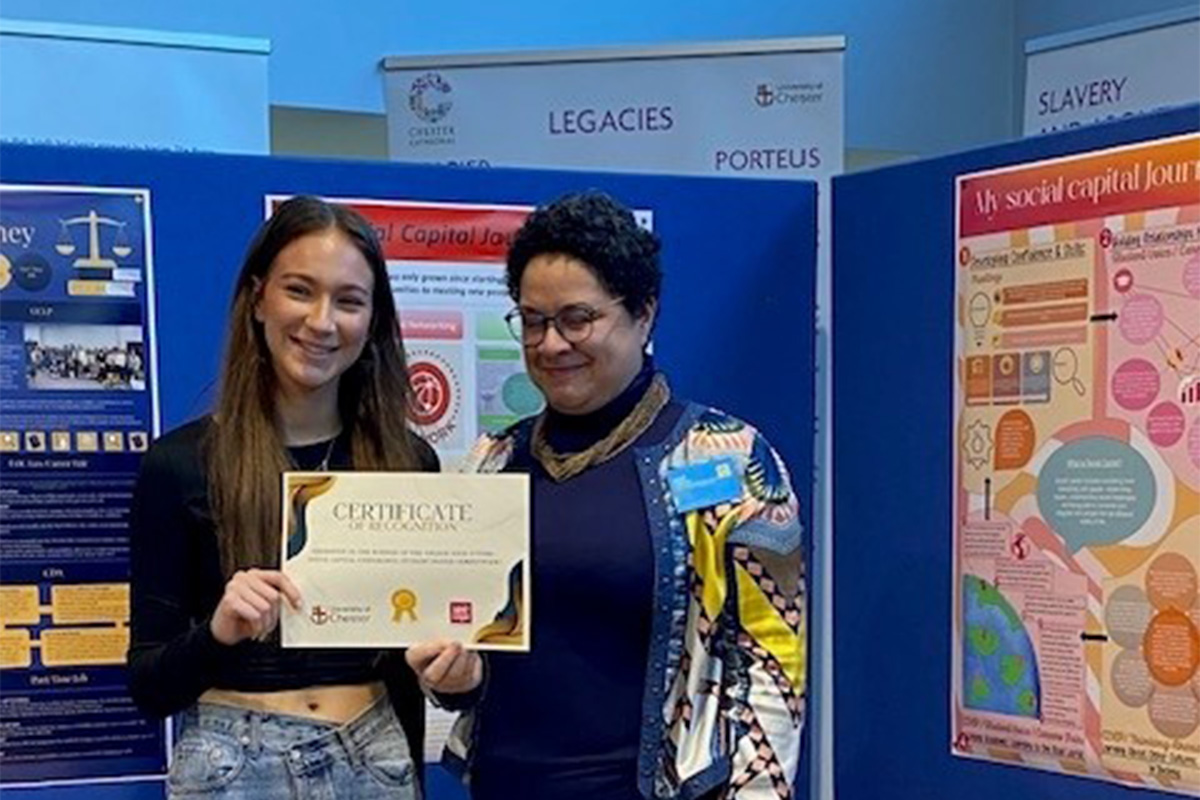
x=582, y=377
x=315, y=308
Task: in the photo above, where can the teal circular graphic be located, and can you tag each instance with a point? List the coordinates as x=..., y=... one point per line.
x=521, y=396
x=31, y=272
x=1095, y=491
x=1000, y=671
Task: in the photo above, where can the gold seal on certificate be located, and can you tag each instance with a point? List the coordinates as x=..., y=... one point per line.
x=388, y=559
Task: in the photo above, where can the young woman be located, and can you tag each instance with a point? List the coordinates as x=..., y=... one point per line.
x=314, y=379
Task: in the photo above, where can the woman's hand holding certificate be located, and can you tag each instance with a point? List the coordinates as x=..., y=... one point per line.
x=445, y=666
x=249, y=608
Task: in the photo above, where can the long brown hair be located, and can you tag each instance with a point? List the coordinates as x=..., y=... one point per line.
x=246, y=452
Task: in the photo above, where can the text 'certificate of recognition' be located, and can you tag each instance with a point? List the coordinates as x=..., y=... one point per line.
x=391, y=559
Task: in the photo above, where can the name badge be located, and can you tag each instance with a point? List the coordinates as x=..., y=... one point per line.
x=705, y=484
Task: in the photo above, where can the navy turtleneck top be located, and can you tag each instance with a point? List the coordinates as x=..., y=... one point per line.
x=570, y=433
x=564, y=720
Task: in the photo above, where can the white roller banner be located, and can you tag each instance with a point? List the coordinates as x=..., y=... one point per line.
x=122, y=87
x=1112, y=71
x=770, y=108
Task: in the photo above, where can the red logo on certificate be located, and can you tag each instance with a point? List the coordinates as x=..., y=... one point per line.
x=460, y=612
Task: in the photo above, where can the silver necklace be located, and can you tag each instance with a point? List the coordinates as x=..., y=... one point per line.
x=323, y=464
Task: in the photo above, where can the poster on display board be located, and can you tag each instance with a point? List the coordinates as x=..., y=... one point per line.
x=80, y=407
x=1076, y=476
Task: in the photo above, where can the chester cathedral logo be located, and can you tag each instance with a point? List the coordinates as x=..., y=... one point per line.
x=429, y=97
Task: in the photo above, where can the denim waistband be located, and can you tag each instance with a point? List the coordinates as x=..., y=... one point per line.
x=302, y=738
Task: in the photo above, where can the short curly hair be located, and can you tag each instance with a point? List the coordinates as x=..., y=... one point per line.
x=596, y=229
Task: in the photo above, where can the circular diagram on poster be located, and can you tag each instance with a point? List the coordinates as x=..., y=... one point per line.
x=1158, y=665
x=32, y=272
x=5, y=271
x=1103, y=483
x=521, y=396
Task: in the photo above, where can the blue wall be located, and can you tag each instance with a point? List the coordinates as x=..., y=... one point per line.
x=922, y=76
x=1037, y=18
x=905, y=60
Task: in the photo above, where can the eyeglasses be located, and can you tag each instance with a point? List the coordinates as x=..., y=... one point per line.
x=573, y=323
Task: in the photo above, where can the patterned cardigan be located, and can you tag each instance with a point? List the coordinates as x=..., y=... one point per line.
x=724, y=699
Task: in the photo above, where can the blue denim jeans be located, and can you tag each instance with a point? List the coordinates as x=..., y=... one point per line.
x=233, y=753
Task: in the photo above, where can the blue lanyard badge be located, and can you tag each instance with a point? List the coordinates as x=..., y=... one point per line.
x=705, y=484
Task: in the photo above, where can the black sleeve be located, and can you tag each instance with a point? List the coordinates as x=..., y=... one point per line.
x=172, y=658
x=405, y=695
x=426, y=455
x=463, y=700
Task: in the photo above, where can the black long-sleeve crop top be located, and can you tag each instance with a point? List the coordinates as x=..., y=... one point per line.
x=177, y=582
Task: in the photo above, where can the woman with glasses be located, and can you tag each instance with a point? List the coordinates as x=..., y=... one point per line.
x=314, y=379
x=668, y=641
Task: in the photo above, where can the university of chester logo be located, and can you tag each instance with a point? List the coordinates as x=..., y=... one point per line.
x=429, y=97
x=765, y=95
x=318, y=615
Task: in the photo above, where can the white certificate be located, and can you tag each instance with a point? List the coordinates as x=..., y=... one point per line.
x=389, y=559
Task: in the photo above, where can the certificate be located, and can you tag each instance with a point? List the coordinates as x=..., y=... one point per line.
x=389, y=559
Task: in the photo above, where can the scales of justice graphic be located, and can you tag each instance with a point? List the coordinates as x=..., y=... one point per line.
x=66, y=246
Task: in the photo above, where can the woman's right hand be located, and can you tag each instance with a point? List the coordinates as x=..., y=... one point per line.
x=249, y=609
x=445, y=666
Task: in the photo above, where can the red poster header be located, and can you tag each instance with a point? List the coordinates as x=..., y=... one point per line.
x=443, y=233
x=1154, y=175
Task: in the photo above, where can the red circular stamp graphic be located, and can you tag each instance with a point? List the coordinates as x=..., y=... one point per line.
x=436, y=396
x=432, y=392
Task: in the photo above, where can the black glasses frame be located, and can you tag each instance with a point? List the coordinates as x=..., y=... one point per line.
x=533, y=335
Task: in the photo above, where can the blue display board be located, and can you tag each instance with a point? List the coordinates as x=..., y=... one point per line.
x=893, y=350
x=735, y=328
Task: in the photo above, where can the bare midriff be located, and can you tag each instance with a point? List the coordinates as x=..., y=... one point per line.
x=337, y=704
